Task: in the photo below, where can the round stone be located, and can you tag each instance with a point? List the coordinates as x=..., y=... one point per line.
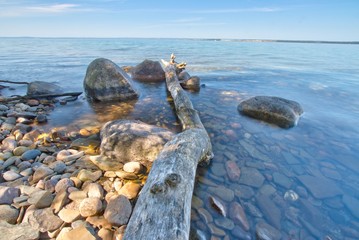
x=30, y=154
x=63, y=185
x=58, y=166
x=11, y=176
x=8, y=213
x=90, y=207
x=132, y=167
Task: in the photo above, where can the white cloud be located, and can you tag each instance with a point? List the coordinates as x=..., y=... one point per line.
x=187, y=20
x=236, y=10
x=57, y=8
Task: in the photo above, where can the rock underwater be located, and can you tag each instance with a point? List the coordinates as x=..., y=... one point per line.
x=40, y=87
x=282, y=112
x=105, y=81
x=132, y=141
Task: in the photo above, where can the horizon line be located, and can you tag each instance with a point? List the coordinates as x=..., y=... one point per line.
x=201, y=38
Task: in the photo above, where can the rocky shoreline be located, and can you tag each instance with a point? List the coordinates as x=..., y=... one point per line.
x=50, y=188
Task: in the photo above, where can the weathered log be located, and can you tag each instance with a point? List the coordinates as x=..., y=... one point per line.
x=7, y=81
x=72, y=94
x=163, y=208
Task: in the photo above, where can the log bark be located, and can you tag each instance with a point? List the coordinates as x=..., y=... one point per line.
x=72, y=94
x=163, y=208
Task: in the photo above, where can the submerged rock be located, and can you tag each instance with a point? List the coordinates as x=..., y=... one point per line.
x=105, y=81
x=193, y=83
x=135, y=141
x=148, y=71
x=282, y=112
x=265, y=231
x=40, y=88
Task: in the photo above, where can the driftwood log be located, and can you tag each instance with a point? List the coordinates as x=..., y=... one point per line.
x=7, y=81
x=26, y=97
x=163, y=208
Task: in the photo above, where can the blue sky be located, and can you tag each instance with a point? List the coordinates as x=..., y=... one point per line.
x=336, y=20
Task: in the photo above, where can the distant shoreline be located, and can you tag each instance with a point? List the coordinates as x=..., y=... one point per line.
x=208, y=39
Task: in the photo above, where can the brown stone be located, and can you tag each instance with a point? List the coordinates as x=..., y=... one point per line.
x=130, y=190
x=118, y=210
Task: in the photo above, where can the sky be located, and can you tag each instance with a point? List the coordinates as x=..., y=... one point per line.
x=330, y=20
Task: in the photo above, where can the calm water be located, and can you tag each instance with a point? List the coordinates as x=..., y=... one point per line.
x=304, y=181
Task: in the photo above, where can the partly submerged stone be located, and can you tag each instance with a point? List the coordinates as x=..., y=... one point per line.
x=148, y=71
x=41, y=88
x=127, y=140
x=105, y=81
x=282, y=112
x=193, y=83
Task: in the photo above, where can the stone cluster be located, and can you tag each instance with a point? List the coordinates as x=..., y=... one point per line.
x=49, y=187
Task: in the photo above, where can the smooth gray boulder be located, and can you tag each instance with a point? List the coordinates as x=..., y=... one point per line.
x=133, y=141
x=41, y=88
x=148, y=71
x=282, y=112
x=105, y=81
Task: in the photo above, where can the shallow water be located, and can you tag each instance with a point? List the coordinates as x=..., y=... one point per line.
x=303, y=181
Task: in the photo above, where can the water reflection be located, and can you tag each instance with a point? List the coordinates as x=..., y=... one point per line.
x=300, y=183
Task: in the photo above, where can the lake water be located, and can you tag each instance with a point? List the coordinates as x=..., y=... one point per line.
x=299, y=183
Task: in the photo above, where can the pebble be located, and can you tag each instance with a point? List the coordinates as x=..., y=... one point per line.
x=30, y=154
x=41, y=199
x=18, y=151
x=58, y=166
x=224, y=223
x=233, y=171
x=265, y=231
x=10, y=161
x=90, y=206
x=95, y=190
x=130, y=190
x=86, y=175
x=10, y=176
x=69, y=215
x=60, y=200
x=133, y=167
x=3, y=107
x=44, y=219
x=238, y=215
x=8, y=214
x=41, y=173
x=78, y=233
x=26, y=172
x=118, y=210
x=7, y=194
x=77, y=195
x=63, y=185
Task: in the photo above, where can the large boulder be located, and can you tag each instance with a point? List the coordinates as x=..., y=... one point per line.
x=148, y=71
x=40, y=88
x=282, y=112
x=105, y=81
x=133, y=141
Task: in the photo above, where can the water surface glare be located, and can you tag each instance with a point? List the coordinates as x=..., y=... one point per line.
x=300, y=183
